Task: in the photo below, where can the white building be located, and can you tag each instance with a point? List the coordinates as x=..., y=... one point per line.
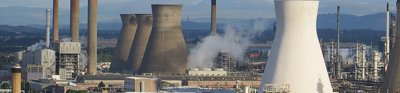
x=39, y=64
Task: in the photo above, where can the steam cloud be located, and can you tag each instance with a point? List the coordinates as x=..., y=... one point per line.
x=235, y=41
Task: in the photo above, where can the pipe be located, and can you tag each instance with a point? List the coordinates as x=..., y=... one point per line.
x=139, y=44
x=16, y=79
x=55, y=22
x=74, y=21
x=92, y=37
x=124, y=44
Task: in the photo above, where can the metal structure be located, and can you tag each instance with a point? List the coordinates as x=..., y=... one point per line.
x=55, y=22
x=74, y=20
x=67, y=65
x=337, y=58
x=213, y=16
x=16, y=79
x=296, y=57
x=226, y=61
x=126, y=37
x=48, y=28
x=391, y=81
x=92, y=37
x=166, y=50
x=139, y=44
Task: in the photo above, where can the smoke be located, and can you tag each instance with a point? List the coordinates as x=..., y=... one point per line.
x=38, y=45
x=83, y=59
x=234, y=41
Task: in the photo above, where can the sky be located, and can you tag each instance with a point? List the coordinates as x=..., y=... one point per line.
x=109, y=10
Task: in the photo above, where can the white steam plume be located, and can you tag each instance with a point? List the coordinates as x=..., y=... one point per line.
x=234, y=41
x=38, y=45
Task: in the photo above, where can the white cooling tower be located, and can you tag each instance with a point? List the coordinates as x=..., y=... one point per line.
x=296, y=64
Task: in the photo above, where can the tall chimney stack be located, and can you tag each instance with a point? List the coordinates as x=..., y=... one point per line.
x=338, y=71
x=74, y=20
x=124, y=44
x=48, y=28
x=16, y=79
x=391, y=81
x=92, y=37
x=296, y=51
x=166, y=50
x=55, y=22
x=213, y=16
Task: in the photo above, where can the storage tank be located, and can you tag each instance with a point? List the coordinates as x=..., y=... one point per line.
x=166, y=50
x=127, y=34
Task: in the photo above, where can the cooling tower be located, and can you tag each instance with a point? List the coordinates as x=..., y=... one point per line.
x=391, y=81
x=166, y=50
x=127, y=34
x=16, y=79
x=92, y=37
x=139, y=44
x=74, y=20
x=296, y=63
x=55, y=22
x=213, y=16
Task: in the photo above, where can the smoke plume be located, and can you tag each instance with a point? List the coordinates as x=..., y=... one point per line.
x=234, y=41
x=38, y=45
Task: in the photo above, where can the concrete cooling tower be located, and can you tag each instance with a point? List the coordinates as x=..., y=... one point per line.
x=391, y=81
x=166, y=50
x=145, y=22
x=296, y=64
x=127, y=34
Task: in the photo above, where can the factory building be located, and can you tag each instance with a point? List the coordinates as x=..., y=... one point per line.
x=140, y=84
x=39, y=64
x=226, y=61
x=68, y=63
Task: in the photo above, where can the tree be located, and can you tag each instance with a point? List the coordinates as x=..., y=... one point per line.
x=101, y=85
x=5, y=86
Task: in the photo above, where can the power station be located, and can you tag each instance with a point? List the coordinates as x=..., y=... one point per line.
x=127, y=35
x=296, y=63
x=166, y=49
x=139, y=44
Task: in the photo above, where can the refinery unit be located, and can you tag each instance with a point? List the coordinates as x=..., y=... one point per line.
x=151, y=55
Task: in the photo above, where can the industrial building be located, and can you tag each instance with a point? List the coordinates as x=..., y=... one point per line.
x=68, y=63
x=140, y=84
x=225, y=61
x=39, y=64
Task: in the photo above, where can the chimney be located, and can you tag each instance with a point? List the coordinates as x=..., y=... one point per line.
x=16, y=78
x=92, y=37
x=48, y=28
x=166, y=50
x=126, y=37
x=294, y=55
x=213, y=16
x=74, y=20
x=145, y=22
x=55, y=22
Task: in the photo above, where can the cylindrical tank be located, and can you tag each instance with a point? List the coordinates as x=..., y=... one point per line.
x=16, y=79
x=144, y=24
x=92, y=37
x=127, y=34
x=74, y=20
x=296, y=62
x=166, y=50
